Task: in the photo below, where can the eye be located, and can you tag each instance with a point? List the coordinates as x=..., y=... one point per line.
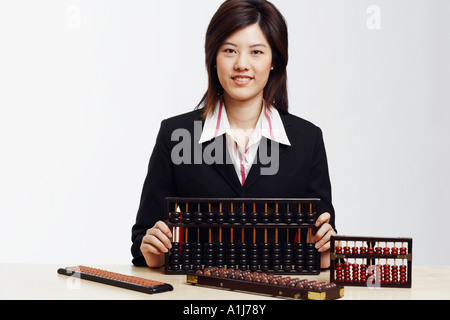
x=229, y=50
x=257, y=52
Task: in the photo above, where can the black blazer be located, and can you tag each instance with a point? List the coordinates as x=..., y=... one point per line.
x=302, y=173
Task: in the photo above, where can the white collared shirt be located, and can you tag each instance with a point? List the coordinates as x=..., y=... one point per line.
x=269, y=125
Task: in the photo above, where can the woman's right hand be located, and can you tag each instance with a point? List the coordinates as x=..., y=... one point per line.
x=156, y=242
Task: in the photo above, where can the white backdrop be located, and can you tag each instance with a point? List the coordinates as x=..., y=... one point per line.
x=85, y=84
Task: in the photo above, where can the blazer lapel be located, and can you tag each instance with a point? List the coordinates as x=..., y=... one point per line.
x=224, y=165
x=222, y=162
x=255, y=170
x=262, y=159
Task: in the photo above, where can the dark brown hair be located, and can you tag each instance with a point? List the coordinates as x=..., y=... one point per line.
x=232, y=16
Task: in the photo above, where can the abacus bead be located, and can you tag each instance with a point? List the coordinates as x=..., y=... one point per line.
x=310, y=218
x=276, y=248
x=299, y=266
x=220, y=217
x=198, y=217
x=231, y=217
x=265, y=248
x=254, y=217
x=209, y=217
x=187, y=217
x=265, y=267
x=300, y=217
x=186, y=246
x=175, y=217
x=276, y=217
x=220, y=247
x=288, y=217
x=265, y=217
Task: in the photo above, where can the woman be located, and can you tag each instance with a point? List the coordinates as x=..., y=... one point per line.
x=245, y=111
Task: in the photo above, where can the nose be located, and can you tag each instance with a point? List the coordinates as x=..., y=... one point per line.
x=242, y=62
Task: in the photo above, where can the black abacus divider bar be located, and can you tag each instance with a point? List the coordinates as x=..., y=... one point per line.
x=309, y=221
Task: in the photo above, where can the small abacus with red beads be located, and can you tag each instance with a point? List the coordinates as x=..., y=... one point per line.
x=370, y=261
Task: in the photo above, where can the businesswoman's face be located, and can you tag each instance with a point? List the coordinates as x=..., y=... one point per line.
x=244, y=63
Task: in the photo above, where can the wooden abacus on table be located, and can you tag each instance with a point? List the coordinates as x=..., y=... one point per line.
x=371, y=261
x=267, y=284
x=262, y=235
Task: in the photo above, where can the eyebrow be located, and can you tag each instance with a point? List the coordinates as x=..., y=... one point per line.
x=252, y=46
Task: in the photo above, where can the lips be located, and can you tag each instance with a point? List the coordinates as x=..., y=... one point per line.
x=241, y=80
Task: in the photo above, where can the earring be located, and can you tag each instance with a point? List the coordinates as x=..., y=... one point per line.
x=272, y=68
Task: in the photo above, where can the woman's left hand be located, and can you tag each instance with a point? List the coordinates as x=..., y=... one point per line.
x=322, y=238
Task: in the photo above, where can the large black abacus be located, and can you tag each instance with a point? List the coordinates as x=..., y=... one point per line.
x=255, y=234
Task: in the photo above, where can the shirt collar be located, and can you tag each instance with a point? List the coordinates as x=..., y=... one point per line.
x=269, y=125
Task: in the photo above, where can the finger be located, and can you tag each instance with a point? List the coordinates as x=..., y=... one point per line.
x=324, y=243
x=147, y=248
x=162, y=237
x=154, y=244
x=164, y=228
x=323, y=218
x=322, y=231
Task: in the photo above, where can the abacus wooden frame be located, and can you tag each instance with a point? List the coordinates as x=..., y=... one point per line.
x=316, y=209
x=373, y=240
x=266, y=289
